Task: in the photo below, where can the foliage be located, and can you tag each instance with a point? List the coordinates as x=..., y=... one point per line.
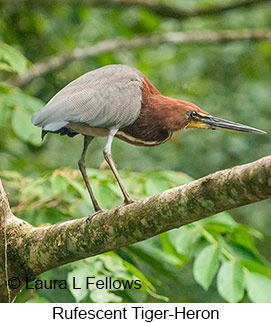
x=16, y=109
x=216, y=245
x=11, y=59
x=229, y=80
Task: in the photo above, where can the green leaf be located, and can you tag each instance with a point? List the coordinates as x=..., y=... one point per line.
x=5, y=67
x=163, y=256
x=24, y=106
x=5, y=111
x=258, y=287
x=11, y=60
x=242, y=236
x=155, y=185
x=59, y=185
x=223, y=218
x=256, y=267
x=78, y=187
x=206, y=265
x=38, y=300
x=184, y=238
x=21, y=125
x=241, y=253
x=230, y=281
x=135, y=272
x=153, y=259
x=28, y=102
x=106, y=196
x=170, y=248
x=216, y=228
x=5, y=88
x=104, y=296
x=147, y=287
x=115, y=265
x=77, y=282
x=177, y=178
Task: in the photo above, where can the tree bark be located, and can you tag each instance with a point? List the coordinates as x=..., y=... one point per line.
x=33, y=250
x=176, y=38
x=4, y=211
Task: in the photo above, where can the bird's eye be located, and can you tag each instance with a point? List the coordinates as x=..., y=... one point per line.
x=193, y=114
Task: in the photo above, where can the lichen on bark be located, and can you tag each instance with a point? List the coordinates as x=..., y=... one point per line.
x=32, y=251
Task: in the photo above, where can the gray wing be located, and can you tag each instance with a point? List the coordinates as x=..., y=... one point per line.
x=109, y=97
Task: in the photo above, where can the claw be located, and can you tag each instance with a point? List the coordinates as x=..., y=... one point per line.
x=128, y=201
x=125, y=203
x=91, y=216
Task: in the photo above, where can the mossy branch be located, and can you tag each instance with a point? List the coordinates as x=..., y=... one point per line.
x=32, y=250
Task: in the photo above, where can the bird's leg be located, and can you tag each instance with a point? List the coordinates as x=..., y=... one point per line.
x=82, y=167
x=108, y=158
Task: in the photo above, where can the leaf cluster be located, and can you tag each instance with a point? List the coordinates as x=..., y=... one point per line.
x=217, y=246
x=231, y=81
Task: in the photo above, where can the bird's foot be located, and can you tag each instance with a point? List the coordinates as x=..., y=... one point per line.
x=125, y=203
x=91, y=216
x=128, y=201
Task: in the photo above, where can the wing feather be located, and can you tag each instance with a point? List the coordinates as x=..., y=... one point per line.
x=104, y=98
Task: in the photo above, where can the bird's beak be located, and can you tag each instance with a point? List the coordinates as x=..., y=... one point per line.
x=209, y=122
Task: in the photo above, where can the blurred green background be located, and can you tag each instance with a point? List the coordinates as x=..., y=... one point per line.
x=231, y=81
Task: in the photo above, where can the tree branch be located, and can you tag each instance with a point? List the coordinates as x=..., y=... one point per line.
x=176, y=38
x=160, y=8
x=32, y=251
x=5, y=216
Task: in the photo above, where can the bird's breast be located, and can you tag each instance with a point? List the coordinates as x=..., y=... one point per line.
x=144, y=140
x=133, y=135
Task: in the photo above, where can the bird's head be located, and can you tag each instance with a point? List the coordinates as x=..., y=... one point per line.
x=198, y=118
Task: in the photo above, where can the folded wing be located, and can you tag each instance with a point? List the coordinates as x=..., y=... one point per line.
x=109, y=97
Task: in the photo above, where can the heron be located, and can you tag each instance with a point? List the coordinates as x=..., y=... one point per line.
x=119, y=101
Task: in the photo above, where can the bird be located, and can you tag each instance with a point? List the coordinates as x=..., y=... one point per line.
x=119, y=101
